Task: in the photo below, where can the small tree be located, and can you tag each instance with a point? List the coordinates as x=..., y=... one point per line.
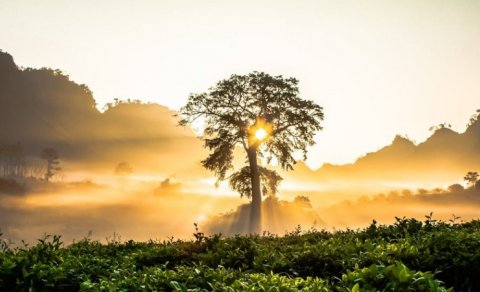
x=262, y=114
x=123, y=169
x=455, y=188
x=474, y=118
x=440, y=127
x=53, y=161
x=471, y=178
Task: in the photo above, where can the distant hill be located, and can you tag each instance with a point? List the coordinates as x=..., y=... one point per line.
x=43, y=108
x=445, y=155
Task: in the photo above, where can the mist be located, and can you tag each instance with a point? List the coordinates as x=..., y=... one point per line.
x=129, y=170
x=132, y=209
x=129, y=208
x=445, y=205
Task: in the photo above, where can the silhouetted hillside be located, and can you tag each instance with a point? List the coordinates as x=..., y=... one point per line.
x=445, y=156
x=443, y=203
x=43, y=108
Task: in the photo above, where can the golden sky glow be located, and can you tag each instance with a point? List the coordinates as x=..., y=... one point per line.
x=378, y=67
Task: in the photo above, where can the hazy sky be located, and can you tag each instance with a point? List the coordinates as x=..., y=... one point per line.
x=378, y=67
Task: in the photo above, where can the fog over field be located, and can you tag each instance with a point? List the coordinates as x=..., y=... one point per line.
x=130, y=170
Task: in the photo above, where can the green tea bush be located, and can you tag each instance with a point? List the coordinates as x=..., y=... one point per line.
x=408, y=255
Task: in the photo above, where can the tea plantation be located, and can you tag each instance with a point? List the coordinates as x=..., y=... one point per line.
x=409, y=255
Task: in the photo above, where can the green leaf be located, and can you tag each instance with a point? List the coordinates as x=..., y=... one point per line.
x=356, y=288
x=403, y=275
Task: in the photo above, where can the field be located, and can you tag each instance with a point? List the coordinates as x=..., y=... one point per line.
x=408, y=255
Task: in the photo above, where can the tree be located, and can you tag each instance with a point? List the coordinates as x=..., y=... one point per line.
x=123, y=169
x=471, y=178
x=303, y=201
x=474, y=118
x=440, y=127
x=12, y=160
x=53, y=160
x=262, y=114
x=456, y=188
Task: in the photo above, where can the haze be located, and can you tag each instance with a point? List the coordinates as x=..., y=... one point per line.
x=383, y=71
x=408, y=64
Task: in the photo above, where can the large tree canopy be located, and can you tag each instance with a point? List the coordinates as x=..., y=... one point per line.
x=236, y=108
x=235, y=105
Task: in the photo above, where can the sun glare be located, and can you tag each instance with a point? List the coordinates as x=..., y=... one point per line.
x=260, y=134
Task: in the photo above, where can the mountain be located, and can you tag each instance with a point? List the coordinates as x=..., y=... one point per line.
x=42, y=108
x=445, y=156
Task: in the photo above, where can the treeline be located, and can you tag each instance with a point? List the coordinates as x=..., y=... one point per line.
x=14, y=163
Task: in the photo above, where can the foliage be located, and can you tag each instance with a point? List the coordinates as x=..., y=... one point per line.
x=409, y=255
x=53, y=161
x=234, y=112
x=240, y=181
x=12, y=160
x=471, y=177
x=243, y=102
x=440, y=127
x=395, y=277
x=455, y=188
x=123, y=169
x=474, y=118
x=118, y=102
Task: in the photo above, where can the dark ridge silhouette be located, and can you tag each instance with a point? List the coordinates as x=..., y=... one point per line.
x=42, y=108
x=443, y=203
x=400, y=149
x=445, y=155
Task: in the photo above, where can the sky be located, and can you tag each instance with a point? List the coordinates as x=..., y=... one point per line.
x=379, y=68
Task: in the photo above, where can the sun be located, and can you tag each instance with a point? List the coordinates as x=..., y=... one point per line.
x=260, y=134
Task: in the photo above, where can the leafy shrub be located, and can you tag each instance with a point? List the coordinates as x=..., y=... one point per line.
x=407, y=255
x=395, y=277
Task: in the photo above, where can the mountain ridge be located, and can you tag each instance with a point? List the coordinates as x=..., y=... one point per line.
x=445, y=154
x=44, y=108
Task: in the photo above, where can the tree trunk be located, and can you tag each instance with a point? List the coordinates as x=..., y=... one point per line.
x=256, y=205
x=49, y=166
